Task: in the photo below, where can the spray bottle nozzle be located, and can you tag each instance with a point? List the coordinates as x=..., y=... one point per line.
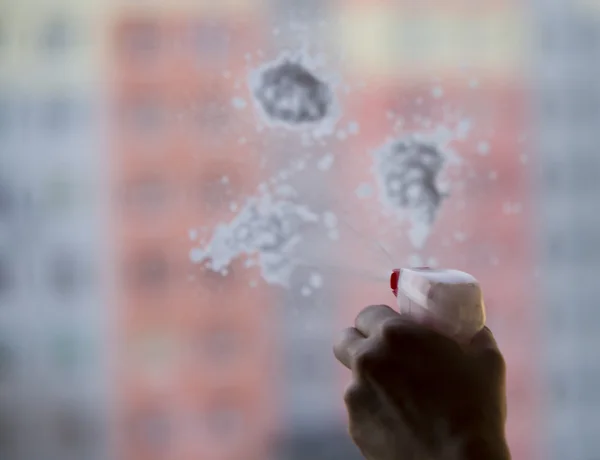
x=394, y=279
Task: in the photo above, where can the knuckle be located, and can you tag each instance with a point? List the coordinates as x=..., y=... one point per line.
x=391, y=330
x=365, y=359
x=353, y=393
x=495, y=360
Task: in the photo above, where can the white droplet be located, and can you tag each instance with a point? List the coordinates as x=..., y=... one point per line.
x=463, y=129
x=225, y=179
x=330, y=220
x=415, y=260
x=364, y=191
x=299, y=165
x=239, y=103
x=483, y=148
x=460, y=236
x=432, y=262
x=193, y=233
x=473, y=83
x=316, y=280
x=437, y=92
x=353, y=127
x=306, y=291
x=197, y=255
x=326, y=162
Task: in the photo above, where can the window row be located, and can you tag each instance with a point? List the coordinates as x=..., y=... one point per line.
x=52, y=36
x=68, y=429
x=214, y=111
x=65, y=274
x=208, y=39
x=50, y=115
x=153, y=271
x=570, y=104
x=223, y=423
x=211, y=192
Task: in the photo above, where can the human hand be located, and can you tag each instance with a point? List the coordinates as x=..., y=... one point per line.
x=418, y=395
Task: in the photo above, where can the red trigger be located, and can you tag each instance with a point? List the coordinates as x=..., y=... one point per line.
x=394, y=278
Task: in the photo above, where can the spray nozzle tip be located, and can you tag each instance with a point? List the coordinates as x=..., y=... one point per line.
x=394, y=279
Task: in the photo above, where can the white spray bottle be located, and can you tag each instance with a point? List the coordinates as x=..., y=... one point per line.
x=448, y=301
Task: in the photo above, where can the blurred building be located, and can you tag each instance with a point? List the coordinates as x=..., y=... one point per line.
x=53, y=319
x=127, y=131
x=567, y=110
x=196, y=376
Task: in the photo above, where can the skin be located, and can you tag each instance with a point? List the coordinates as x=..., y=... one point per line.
x=417, y=395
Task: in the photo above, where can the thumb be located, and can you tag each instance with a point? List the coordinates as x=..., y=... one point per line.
x=483, y=340
x=484, y=349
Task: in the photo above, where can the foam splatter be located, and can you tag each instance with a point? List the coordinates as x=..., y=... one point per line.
x=288, y=92
x=407, y=172
x=295, y=92
x=266, y=228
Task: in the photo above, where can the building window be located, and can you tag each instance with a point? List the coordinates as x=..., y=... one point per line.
x=550, y=108
x=215, y=281
x=549, y=38
x=146, y=195
x=151, y=429
x=56, y=36
x=223, y=422
x=585, y=105
x=7, y=361
x=58, y=114
x=65, y=274
x=556, y=247
x=9, y=432
x=554, y=176
x=6, y=276
x=3, y=36
x=210, y=40
x=74, y=430
x=58, y=194
x=212, y=112
x=69, y=352
x=220, y=345
x=318, y=443
x=5, y=116
x=216, y=191
x=307, y=365
x=150, y=270
x=141, y=39
x=146, y=116
x=6, y=201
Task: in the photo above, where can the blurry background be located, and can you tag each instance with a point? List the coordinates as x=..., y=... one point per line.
x=119, y=121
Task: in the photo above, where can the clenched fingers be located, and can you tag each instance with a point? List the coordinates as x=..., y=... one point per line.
x=348, y=346
x=371, y=320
